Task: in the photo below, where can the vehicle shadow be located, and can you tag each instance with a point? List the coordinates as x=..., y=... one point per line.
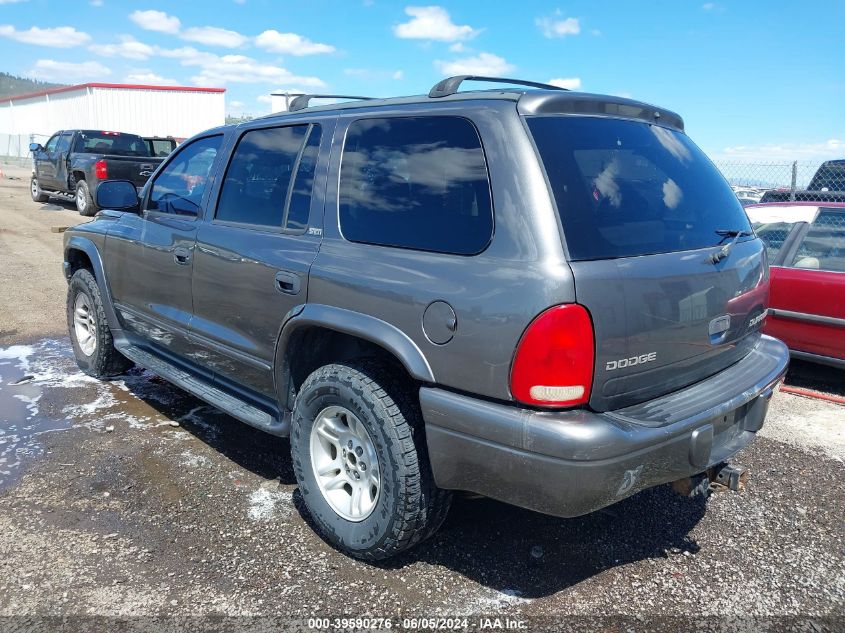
x=815, y=376
x=508, y=549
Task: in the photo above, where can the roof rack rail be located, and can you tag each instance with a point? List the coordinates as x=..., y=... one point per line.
x=301, y=102
x=450, y=85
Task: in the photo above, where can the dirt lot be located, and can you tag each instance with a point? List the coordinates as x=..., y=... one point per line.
x=128, y=500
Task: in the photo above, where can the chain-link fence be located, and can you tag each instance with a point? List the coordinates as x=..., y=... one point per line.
x=14, y=148
x=786, y=181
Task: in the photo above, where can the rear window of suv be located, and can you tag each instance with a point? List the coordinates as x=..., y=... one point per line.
x=628, y=188
x=416, y=182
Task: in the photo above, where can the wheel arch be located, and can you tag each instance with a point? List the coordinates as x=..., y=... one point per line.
x=317, y=334
x=81, y=252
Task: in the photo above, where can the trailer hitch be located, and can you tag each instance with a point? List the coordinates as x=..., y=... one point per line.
x=722, y=476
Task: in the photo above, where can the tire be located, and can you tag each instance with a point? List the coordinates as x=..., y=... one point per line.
x=408, y=507
x=84, y=202
x=36, y=192
x=95, y=355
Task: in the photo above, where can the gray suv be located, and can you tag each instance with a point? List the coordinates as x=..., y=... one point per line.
x=549, y=298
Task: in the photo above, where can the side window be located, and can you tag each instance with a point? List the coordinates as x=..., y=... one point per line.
x=64, y=143
x=179, y=187
x=51, y=144
x=773, y=236
x=823, y=248
x=416, y=182
x=299, y=206
x=256, y=184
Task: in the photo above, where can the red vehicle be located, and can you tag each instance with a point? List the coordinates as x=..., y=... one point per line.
x=805, y=243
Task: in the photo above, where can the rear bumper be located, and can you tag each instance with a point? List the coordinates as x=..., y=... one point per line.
x=571, y=463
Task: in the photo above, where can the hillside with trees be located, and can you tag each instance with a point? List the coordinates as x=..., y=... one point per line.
x=12, y=85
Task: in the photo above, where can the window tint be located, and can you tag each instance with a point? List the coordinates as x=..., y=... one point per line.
x=300, y=197
x=256, y=183
x=115, y=143
x=416, y=183
x=179, y=187
x=823, y=248
x=625, y=188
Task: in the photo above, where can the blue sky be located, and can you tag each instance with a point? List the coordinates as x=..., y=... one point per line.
x=753, y=79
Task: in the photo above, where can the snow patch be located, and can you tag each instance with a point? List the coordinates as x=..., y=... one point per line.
x=264, y=504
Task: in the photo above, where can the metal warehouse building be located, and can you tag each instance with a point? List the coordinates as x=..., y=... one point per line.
x=178, y=111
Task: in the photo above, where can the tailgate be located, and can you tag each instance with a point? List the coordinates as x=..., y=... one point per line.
x=136, y=170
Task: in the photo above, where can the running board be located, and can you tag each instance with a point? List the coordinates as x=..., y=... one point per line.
x=209, y=393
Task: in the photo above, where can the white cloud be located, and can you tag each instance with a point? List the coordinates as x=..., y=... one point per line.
x=290, y=44
x=129, y=47
x=236, y=105
x=708, y=6
x=58, y=37
x=96, y=3
x=216, y=70
x=398, y=75
x=570, y=83
x=12, y=1
x=149, y=78
x=783, y=152
x=265, y=98
x=432, y=23
x=558, y=26
x=481, y=64
x=213, y=36
x=51, y=70
x=156, y=21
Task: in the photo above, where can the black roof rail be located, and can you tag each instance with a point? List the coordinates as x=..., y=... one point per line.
x=450, y=85
x=301, y=102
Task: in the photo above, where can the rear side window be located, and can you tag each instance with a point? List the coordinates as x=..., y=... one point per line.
x=257, y=187
x=627, y=188
x=416, y=182
x=823, y=248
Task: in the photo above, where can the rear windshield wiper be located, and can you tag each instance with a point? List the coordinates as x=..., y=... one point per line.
x=723, y=252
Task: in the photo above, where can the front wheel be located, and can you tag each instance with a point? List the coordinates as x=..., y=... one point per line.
x=90, y=335
x=84, y=202
x=360, y=460
x=36, y=192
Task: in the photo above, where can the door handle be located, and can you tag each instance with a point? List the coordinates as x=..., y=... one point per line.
x=287, y=282
x=182, y=256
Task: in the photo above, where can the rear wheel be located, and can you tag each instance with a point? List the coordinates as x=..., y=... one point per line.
x=90, y=335
x=361, y=463
x=36, y=192
x=84, y=202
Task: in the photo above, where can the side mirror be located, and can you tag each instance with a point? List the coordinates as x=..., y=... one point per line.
x=119, y=195
x=35, y=147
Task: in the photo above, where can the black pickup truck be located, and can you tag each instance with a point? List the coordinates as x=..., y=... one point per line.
x=74, y=162
x=827, y=185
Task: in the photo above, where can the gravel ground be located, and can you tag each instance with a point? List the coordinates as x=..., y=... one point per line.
x=129, y=499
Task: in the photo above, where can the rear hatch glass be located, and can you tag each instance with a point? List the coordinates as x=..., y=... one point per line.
x=643, y=210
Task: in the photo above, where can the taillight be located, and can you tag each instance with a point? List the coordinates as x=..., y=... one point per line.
x=101, y=170
x=553, y=366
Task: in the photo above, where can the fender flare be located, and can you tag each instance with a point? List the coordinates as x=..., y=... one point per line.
x=79, y=243
x=364, y=326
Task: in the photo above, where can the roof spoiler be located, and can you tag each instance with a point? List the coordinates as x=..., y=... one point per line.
x=450, y=85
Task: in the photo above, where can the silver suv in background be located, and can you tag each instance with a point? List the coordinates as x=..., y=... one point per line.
x=545, y=297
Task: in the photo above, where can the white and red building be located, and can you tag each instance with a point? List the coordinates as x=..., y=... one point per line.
x=178, y=111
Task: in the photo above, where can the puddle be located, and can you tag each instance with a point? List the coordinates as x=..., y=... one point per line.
x=42, y=391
